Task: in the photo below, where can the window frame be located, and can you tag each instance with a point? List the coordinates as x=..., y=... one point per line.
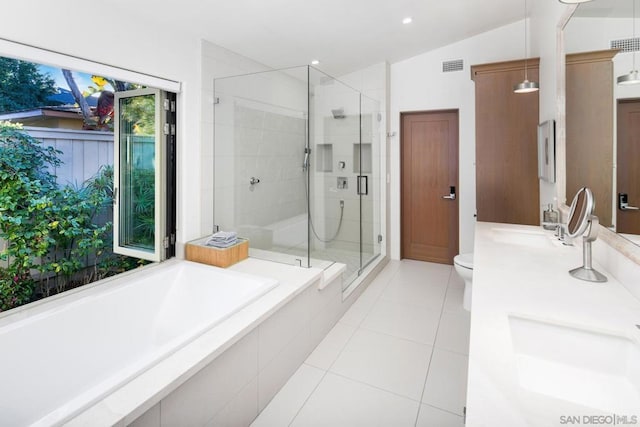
x=158, y=253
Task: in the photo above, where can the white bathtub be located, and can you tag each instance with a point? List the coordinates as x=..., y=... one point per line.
x=59, y=357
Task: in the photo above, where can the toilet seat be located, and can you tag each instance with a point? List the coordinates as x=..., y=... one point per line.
x=464, y=260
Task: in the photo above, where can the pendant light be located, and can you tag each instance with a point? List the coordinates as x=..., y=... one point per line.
x=632, y=78
x=526, y=86
x=574, y=1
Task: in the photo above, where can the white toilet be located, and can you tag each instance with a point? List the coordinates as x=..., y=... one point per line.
x=463, y=264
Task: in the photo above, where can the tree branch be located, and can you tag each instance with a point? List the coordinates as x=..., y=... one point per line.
x=77, y=95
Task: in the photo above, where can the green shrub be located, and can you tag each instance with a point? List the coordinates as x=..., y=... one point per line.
x=53, y=236
x=26, y=190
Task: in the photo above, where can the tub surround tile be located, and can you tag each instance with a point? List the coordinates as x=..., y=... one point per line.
x=205, y=394
x=434, y=417
x=136, y=401
x=339, y=401
x=325, y=320
x=446, y=381
x=286, y=404
x=406, y=321
x=151, y=418
x=279, y=329
x=331, y=346
x=275, y=374
x=101, y=414
x=387, y=362
x=241, y=410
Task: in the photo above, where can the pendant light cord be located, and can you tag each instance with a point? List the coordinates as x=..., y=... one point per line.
x=634, y=35
x=526, y=77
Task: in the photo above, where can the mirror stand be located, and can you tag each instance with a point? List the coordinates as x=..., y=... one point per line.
x=586, y=272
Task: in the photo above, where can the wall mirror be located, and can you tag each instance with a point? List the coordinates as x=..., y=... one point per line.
x=611, y=164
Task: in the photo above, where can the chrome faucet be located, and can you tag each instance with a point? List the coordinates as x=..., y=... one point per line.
x=561, y=234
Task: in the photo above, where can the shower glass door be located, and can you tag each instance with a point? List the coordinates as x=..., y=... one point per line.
x=334, y=219
x=368, y=160
x=297, y=168
x=260, y=134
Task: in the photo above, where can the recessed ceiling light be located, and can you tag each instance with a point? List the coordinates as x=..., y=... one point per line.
x=407, y=20
x=315, y=62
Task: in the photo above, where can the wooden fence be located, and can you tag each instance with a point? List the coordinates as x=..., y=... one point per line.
x=83, y=152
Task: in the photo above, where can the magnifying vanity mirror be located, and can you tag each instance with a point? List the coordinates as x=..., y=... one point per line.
x=583, y=223
x=602, y=42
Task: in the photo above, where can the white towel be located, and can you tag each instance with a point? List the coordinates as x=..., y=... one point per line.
x=222, y=239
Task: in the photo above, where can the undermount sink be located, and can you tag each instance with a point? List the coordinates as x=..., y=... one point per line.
x=531, y=238
x=589, y=368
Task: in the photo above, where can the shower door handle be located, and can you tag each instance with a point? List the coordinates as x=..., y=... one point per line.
x=363, y=185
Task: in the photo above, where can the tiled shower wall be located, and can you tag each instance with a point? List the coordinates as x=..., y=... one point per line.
x=343, y=136
x=266, y=145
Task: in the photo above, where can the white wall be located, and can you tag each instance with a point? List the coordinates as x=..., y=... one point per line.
x=74, y=29
x=419, y=84
x=545, y=32
x=589, y=34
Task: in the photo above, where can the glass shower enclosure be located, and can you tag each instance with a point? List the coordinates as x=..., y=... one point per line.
x=297, y=168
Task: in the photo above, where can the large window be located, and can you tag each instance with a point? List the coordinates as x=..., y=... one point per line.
x=87, y=178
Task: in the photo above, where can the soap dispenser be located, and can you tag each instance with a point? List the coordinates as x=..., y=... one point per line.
x=550, y=218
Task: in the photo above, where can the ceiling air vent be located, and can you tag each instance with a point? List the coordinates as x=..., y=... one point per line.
x=455, y=65
x=626, y=45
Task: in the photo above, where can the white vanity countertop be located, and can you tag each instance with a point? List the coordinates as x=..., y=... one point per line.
x=545, y=346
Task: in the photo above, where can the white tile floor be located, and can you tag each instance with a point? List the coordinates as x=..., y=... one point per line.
x=398, y=357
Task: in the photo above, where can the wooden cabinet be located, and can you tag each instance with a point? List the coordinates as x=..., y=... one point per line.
x=589, y=106
x=507, y=186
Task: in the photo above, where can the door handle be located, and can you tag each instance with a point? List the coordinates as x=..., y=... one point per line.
x=363, y=185
x=623, y=203
x=452, y=194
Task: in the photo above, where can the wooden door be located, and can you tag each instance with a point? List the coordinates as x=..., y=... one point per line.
x=507, y=186
x=589, y=130
x=429, y=165
x=628, y=174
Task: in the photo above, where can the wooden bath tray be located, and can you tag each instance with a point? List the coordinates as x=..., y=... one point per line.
x=197, y=251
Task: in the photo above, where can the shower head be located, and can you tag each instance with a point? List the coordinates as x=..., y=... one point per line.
x=338, y=113
x=326, y=80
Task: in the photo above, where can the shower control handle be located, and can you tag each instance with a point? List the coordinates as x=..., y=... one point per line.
x=452, y=193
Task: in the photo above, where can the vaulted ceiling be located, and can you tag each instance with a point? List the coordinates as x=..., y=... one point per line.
x=345, y=35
